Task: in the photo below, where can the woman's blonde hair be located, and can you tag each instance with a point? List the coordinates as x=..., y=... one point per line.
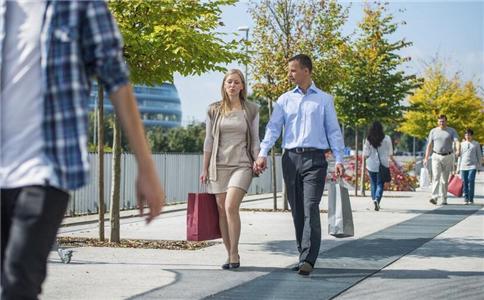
x=225, y=98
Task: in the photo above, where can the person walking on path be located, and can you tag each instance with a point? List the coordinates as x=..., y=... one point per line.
x=49, y=52
x=469, y=163
x=309, y=118
x=230, y=147
x=377, y=149
x=440, y=144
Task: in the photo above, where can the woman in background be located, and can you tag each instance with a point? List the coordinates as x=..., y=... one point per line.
x=377, y=148
x=468, y=164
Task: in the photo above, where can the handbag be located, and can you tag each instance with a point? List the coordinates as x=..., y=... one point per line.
x=384, y=171
x=340, y=217
x=455, y=186
x=202, y=217
x=424, y=180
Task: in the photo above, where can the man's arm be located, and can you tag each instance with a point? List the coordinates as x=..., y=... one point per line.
x=428, y=150
x=273, y=131
x=335, y=138
x=148, y=187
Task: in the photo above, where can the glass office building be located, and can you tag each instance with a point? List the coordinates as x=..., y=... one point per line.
x=159, y=106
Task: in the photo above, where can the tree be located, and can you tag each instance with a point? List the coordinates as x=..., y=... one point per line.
x=374, y=85
x=284, y=28
x=189, y=139
x=164, y=37
x=438, y=95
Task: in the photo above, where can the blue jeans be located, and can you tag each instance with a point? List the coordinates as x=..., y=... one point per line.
x=376, y=184
x=469, y=177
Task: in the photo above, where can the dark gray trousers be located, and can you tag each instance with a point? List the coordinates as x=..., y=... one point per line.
x=304, y=176
x=31, y=217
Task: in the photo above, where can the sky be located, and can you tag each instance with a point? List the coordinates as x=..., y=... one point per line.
x=451, y=30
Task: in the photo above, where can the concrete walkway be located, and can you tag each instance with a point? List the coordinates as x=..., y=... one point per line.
x=410, y=249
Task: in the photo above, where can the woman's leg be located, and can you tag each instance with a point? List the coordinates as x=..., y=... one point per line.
x=232, y=205
x=472, y=181
x=465, y=177
x=373, y=178
x=222, y=220
x=379, y=187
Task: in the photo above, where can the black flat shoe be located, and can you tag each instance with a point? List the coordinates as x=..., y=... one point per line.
x=226, y=265
x=235, y=265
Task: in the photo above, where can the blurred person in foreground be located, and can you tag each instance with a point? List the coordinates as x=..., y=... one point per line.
x=50, y=51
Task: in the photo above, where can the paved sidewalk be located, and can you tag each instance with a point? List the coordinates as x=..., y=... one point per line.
x=410, y=249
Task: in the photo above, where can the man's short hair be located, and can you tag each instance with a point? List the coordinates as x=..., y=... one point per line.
x=443, y=117
x=303, y=60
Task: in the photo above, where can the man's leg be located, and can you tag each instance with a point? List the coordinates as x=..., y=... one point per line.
x=37, y=216
x=436, y=174
x=8, y=197
x=290, y=171
x=447, y=166
x=314, y=174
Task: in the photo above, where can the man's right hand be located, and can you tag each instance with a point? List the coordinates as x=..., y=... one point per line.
x=425, y=162
x=260, y=164
x=150, y=192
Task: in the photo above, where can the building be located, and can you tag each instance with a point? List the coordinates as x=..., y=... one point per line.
x=159, y=106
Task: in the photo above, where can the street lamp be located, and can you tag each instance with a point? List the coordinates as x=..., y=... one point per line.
x=246, y=29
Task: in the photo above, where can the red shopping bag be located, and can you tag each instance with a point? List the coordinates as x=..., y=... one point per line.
x=455, y=186
x=202, y=217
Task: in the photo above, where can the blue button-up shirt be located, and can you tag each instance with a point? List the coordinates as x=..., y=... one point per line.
x=79, y=39
x=309, y=120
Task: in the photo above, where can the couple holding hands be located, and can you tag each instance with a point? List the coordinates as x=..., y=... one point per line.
x=233, y=155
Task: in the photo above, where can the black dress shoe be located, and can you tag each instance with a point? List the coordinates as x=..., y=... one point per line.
x=296, y=268
x=305, y=269
x=377, y=206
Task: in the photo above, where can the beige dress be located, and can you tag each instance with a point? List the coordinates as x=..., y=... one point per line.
x=234, y=167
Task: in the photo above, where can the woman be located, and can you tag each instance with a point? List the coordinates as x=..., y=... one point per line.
x=469, y=162
x=377, y=148
x=231, y=144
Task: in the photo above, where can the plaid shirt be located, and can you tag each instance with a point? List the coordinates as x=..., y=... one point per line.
x=79, y=39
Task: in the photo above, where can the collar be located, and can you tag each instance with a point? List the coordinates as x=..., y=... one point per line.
x=311, y=90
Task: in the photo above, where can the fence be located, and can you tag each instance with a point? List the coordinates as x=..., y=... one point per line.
x=179, y=175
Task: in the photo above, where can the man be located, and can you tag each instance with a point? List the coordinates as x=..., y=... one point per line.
x=311, y=126
x=440, y=143
x=49, y=52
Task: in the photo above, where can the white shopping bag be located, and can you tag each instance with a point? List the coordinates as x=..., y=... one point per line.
x=340, y=217
x=424, y=180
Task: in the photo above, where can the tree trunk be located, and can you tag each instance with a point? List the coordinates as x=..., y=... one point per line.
x=273, y=168
x=363, y=170
x=356, y=161
x=115, y=191
x=100, y=153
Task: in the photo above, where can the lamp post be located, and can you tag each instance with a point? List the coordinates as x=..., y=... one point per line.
x=246, y=29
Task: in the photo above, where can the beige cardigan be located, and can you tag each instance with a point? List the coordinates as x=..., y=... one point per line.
x=214, y=117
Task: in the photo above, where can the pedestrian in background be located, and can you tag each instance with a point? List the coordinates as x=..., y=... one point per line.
x=230, y=147
x=50, y=50
x=441, y=143
x=377, y=150
x=469, y=163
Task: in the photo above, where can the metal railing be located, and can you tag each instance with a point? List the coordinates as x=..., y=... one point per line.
x=179, y=175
